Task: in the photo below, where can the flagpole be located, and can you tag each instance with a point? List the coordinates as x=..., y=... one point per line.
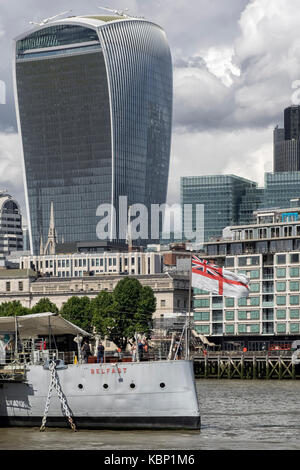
x=187, y=332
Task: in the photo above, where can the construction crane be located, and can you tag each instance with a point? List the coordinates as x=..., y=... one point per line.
x=116, y=12
x=46, y=20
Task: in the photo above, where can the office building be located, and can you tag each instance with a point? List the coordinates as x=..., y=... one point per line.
x=221, y=196
x=286, y=153
x=94, y=105
x=85, y=264
x=11, y=234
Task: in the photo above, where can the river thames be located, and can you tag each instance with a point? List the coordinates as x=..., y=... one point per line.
x=235, y=415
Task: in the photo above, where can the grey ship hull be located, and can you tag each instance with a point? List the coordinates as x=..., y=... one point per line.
x=127, y=395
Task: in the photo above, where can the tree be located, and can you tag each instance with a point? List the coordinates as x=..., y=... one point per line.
x=77, y=310
x=102, y=312
x=44, y=305
x=14, y=308
x=126, y=311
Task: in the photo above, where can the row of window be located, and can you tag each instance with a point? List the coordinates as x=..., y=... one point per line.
x=281, y=314
x=250, y=301
x=293, y=328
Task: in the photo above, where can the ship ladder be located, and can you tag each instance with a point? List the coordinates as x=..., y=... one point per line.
x=54, y=383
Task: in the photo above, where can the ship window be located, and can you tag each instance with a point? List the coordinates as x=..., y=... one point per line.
x=80, y=386
x=132, y=385
x=105, y=386
x=162, y=385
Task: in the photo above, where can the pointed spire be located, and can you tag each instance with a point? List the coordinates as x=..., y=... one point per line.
x=52, y=235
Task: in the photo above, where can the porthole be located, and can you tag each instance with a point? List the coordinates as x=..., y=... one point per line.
x=162, y=385
x=80, y=386
x=105, y=386
x=132, y=385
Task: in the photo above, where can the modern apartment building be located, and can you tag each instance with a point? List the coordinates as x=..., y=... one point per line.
x=94, y=106
x=268, y=252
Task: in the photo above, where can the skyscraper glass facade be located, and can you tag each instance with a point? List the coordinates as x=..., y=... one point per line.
x=221, y=196
x=94, y=102
x=280, y=188
x=286, y=154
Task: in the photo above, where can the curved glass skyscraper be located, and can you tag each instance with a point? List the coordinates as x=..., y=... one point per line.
x=94, y=104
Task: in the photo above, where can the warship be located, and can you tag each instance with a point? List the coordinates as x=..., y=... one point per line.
x=44, y=387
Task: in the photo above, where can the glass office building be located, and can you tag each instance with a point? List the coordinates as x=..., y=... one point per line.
x=281, y=188
x=286, y=154
x=94, y=106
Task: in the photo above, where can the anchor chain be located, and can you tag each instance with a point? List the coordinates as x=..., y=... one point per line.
x=54, y=383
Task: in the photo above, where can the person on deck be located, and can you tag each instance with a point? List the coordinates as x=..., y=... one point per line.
x=100, y=353
x=86, y=352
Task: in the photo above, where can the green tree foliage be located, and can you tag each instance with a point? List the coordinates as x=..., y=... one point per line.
x=14, y=308
x=77, y=310
x=102, y=308
x=124, y=312
x=44, y=305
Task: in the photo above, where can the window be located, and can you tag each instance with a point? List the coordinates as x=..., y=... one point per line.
x=243, y=261
x=281, y=314
x=281, y=259
x=201, y=316
x=229, y=315
x=294, y=299
x=242, y=328
x=294, y=286
x=294, y=257
x=281, y=286
x=229, y=262
x=281, y=272
x=254, y=301
x=254, y=287
x=242, y=315
x=7, y=286
x=162, y=303
x=202, y=329
x=201, y=303
x=242, y=301
x=229, y=329
x=294, y=272
x=254, y=314
x=229, y=302
x=254, y=274
x=294, y=313
x=21, y=285
x=294, y=327
x=281, y=328
x=281, y=299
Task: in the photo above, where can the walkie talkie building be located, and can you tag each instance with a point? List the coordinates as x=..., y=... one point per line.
x=94, y=105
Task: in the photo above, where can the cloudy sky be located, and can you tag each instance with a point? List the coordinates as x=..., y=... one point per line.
x=236, y=66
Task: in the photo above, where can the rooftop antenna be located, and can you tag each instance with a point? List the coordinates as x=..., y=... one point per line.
x=117, y=12
x=46, y=20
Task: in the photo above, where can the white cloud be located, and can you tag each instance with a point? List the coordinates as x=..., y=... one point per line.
x=11, y=170
x=219, y=63
x=247, y=153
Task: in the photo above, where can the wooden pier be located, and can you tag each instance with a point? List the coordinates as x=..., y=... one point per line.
x=249, y=365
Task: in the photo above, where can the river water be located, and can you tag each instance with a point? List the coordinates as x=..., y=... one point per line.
x=235, y=414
